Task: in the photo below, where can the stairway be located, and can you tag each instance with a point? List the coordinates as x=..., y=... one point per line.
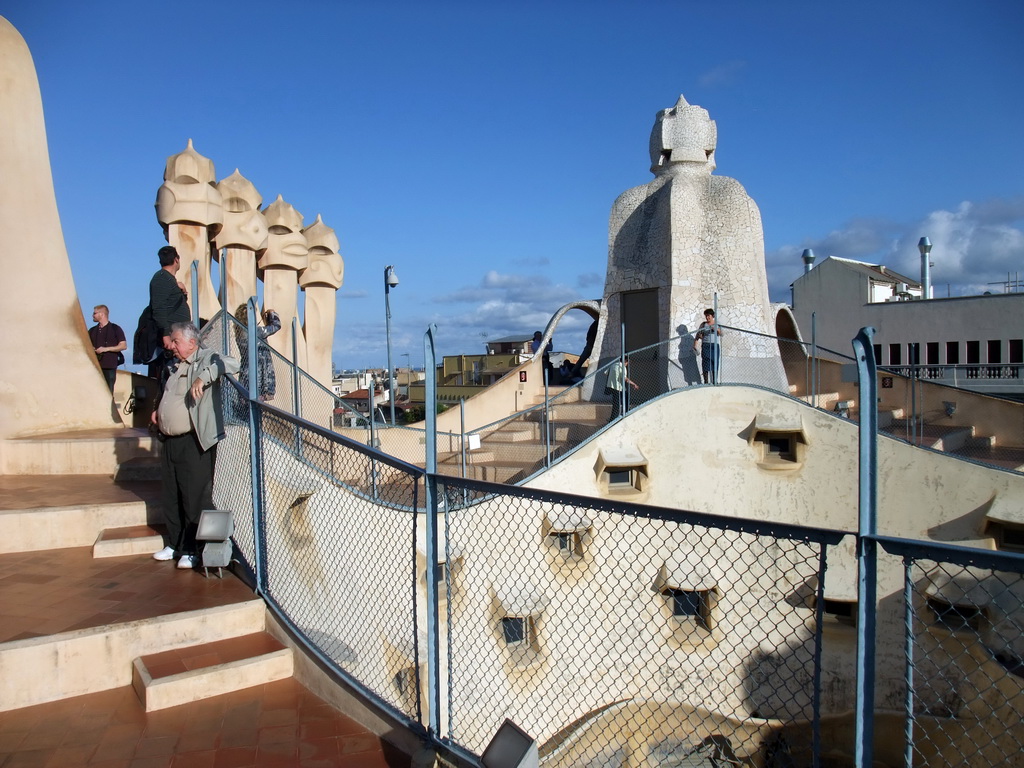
x=85, y=612
x=517, y=448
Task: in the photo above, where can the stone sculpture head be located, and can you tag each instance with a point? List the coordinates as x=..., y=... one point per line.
x=683, y=134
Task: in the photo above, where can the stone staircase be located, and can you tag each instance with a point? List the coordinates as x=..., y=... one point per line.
x=956, y=440
x=516, y=449
x=100, y=489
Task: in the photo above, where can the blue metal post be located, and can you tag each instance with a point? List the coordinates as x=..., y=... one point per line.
x=547, y=419
x=814, y=359
x=374, y=443
x=224, y=304
x=462, y=431
x=255, y=452
x=908, y=649
x=867, y=546
x=718, y=348
x=430, y=483
x=195, y=293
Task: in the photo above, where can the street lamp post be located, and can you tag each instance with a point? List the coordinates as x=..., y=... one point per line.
x=390, y=281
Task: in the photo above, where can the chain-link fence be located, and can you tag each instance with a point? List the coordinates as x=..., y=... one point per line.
x=613, y=633
x=913, y=407
x=964, y=619
x=619, y=634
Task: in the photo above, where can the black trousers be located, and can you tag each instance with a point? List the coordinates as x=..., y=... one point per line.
x=188, y=488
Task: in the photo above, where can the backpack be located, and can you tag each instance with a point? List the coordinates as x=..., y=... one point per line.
x=147, y=338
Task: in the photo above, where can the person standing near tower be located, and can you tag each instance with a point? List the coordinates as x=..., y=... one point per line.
x=108, y=342
x=169, y=304
x=709, y=335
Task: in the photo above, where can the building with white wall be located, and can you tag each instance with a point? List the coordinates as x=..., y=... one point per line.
x=972, y=342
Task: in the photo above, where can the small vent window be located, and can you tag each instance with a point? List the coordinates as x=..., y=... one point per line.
x=778, y=446
x=956, y=617
x=567, y=542
x=842, y=612
x=517, y=630
x=622, y=471
x=691, y=603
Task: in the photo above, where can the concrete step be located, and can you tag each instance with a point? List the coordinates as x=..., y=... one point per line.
x=87, y=452
x=935, y=436
x=40, y=512
x=130, y=540
x=40, y=669
x=195, y=672
x=139, y=469
x=515, y=432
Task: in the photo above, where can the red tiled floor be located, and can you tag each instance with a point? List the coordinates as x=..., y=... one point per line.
x=43, y=593
x=220, y=732
x=37, y=491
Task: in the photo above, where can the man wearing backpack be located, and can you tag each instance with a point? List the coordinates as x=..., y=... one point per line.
x=168, y=302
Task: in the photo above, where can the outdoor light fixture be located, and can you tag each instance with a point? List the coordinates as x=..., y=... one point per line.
x=511, y=747
x=950, y=407
x=390, y=281
x=924, y=245
x=215, y=528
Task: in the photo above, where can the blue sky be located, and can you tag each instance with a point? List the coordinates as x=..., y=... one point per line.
x=478, y=146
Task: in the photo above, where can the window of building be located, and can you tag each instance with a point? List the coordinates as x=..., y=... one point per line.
x=781, y=446
x=913, y=353
x=895, y=354
x=441, y=573
x=931, y=353
x=1016, y=349
x=621, y=471
x=952, y=353
x=517, y=631
x=973, y=352
x=842, y=612
x=693, y=604
x=405, y=681
x=956, y=617
x=878, y=354
x=1008, y=537
x=995, y=351
x=568, y=543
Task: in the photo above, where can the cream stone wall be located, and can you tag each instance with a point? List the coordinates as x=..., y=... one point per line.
x=44, y=328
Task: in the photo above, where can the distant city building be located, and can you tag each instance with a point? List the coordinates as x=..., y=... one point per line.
x=971, y=342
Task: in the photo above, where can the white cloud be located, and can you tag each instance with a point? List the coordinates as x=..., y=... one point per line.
x=974, y=248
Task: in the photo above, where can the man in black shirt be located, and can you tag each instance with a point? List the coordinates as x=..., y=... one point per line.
x=169, y=302
x=108, y=342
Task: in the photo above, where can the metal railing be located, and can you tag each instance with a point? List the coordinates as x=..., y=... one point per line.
x=514, y=448
x=613, y=632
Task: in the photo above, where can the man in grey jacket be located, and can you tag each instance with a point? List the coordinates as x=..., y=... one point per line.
x=191, y=421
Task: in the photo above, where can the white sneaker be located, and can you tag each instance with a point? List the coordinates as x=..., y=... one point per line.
x=186, y=562
x=167, y=553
